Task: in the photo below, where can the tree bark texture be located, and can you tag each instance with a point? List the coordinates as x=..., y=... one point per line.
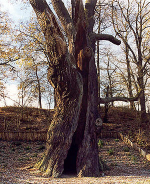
x=71, y=138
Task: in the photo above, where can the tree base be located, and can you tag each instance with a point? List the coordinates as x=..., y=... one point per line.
x=69, y=167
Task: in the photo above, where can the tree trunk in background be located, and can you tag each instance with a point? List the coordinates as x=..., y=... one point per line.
x=39, y=88
x=142, y=96
x=106, y=107
x=129, y=85
x=98, y=71
x=140, y=64
x=71, y=139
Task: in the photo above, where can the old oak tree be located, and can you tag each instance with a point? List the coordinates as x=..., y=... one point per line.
x=71, y=138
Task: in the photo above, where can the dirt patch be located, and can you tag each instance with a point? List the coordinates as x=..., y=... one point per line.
x=126, y=165
x=122, y=159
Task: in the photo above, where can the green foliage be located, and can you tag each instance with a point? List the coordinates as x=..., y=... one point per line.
x=20, y=159
x=114, y=164
x=41, y=147
x=116, y=140
x=133, y=158
x=26, y=158
x=100, y=143
x=103, y=164
x=35, y=155
x=27, y=148
x=126, y=149
x=111, y=151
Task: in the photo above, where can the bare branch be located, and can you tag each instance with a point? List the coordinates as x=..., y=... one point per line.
x=147, y=61
x=124, y=99
x=4, y=63
x=9, y=61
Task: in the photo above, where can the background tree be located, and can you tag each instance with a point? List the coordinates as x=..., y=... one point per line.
x=33, y=82
x=115, y=73
x=71, y=139
x=8, y=52
x=102, y=22
x=130, y=22
x=33, y=62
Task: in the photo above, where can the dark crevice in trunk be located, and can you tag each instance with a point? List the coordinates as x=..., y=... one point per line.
x=70, y=161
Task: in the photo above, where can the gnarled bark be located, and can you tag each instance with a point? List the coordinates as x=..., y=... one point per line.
x=71, y=138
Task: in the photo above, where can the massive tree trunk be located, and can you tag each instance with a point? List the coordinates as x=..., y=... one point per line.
x=71, y=138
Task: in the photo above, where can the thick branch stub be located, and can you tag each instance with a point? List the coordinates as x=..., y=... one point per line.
x=107, y=37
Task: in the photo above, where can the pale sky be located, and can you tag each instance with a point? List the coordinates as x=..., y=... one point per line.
x=17, y=10
x=12, y=91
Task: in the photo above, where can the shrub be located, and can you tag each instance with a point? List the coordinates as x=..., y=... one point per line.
x=100, y=143
x=41, y=147
x=126, y=149
x=27, y=148
x=111, y=151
